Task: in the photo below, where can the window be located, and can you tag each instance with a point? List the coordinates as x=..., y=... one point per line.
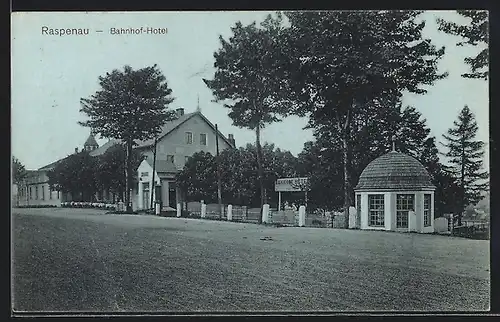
x=170, y=158
x=31, y=193
x=36, y=192
x=189, y=137
x=144, y=174
x=427, y=210
x=58, y=194
x=404, y=203
x=50, y=192
x=376, y=210
x=203, y=139
x=186, y=159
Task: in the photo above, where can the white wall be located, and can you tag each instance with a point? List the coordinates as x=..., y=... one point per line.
x=144, y=168
x=390, y=210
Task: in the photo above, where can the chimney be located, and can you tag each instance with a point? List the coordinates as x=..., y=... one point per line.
x=179, y=111
x=230, y=137
x=76, y=150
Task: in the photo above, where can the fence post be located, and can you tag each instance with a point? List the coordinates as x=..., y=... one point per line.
x=203, y=210
x=265, y=213
x=178, y=210
x=451, y=224
x=302, y=216
x=229, y=212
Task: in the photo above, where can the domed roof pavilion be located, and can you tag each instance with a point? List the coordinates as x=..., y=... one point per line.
x=395, y=192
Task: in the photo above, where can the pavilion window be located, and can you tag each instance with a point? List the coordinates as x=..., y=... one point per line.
x=427, y=210
x=404, y=203
x=376, y=210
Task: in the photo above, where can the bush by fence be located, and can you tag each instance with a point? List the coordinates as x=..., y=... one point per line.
x=94, y=205
x=36, y=206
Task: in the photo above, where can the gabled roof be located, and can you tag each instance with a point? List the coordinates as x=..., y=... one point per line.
x=163, y=165
x=102, y=149
x=51, y=165
x=172, y=125
x=166, y=129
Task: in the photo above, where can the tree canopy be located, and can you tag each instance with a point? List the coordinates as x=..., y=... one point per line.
x=75, y=174
x=340, y=62
x=474, y=33
x=240, y=182
x=18, y=171
x=131, y=105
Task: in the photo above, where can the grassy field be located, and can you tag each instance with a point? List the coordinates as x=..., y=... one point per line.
x=83, y=260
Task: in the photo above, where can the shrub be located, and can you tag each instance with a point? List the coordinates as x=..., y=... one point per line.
x=37, y=206
x=116, y=212
x=94, y=205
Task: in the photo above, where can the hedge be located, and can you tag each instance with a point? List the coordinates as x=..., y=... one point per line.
x=95, y=205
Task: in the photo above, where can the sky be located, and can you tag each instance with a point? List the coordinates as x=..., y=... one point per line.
x=51, y=73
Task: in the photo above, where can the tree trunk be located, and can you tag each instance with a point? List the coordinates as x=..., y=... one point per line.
x=260, y=170
x=347, y=184
x=128, y=176
x=344, y=126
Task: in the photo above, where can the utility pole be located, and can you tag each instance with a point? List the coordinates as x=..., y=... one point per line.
x=219, y=183
x=153, y=176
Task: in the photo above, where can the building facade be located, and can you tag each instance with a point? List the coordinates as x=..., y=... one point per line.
x=178, y=140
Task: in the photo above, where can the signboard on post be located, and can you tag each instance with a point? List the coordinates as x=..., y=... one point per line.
x=292, y=184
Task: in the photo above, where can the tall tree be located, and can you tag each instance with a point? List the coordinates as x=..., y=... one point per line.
x=238, y=169
x=474, y=33
x=465, y=155
x=131, y=105
x=246, y=79
x=111, y=167
x=18, y=171
x=339, y=61
x=198, y=178
x=76, y=175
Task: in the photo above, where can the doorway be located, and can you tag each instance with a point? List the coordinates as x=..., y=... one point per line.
x=172, y=196
x=146, y=195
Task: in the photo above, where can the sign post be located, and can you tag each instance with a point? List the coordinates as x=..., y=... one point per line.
x=291, y=185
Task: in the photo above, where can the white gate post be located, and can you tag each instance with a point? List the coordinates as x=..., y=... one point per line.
x=203, y=210
x=265, y=213
x=229, y=212
x=302, y=216
x=178, y=210
x=279, y=200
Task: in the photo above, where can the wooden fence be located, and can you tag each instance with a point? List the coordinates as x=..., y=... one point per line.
x=252, y=215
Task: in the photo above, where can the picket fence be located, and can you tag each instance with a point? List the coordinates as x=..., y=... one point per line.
x=251, y=215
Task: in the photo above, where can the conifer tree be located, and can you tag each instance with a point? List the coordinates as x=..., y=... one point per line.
x=465, y=155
